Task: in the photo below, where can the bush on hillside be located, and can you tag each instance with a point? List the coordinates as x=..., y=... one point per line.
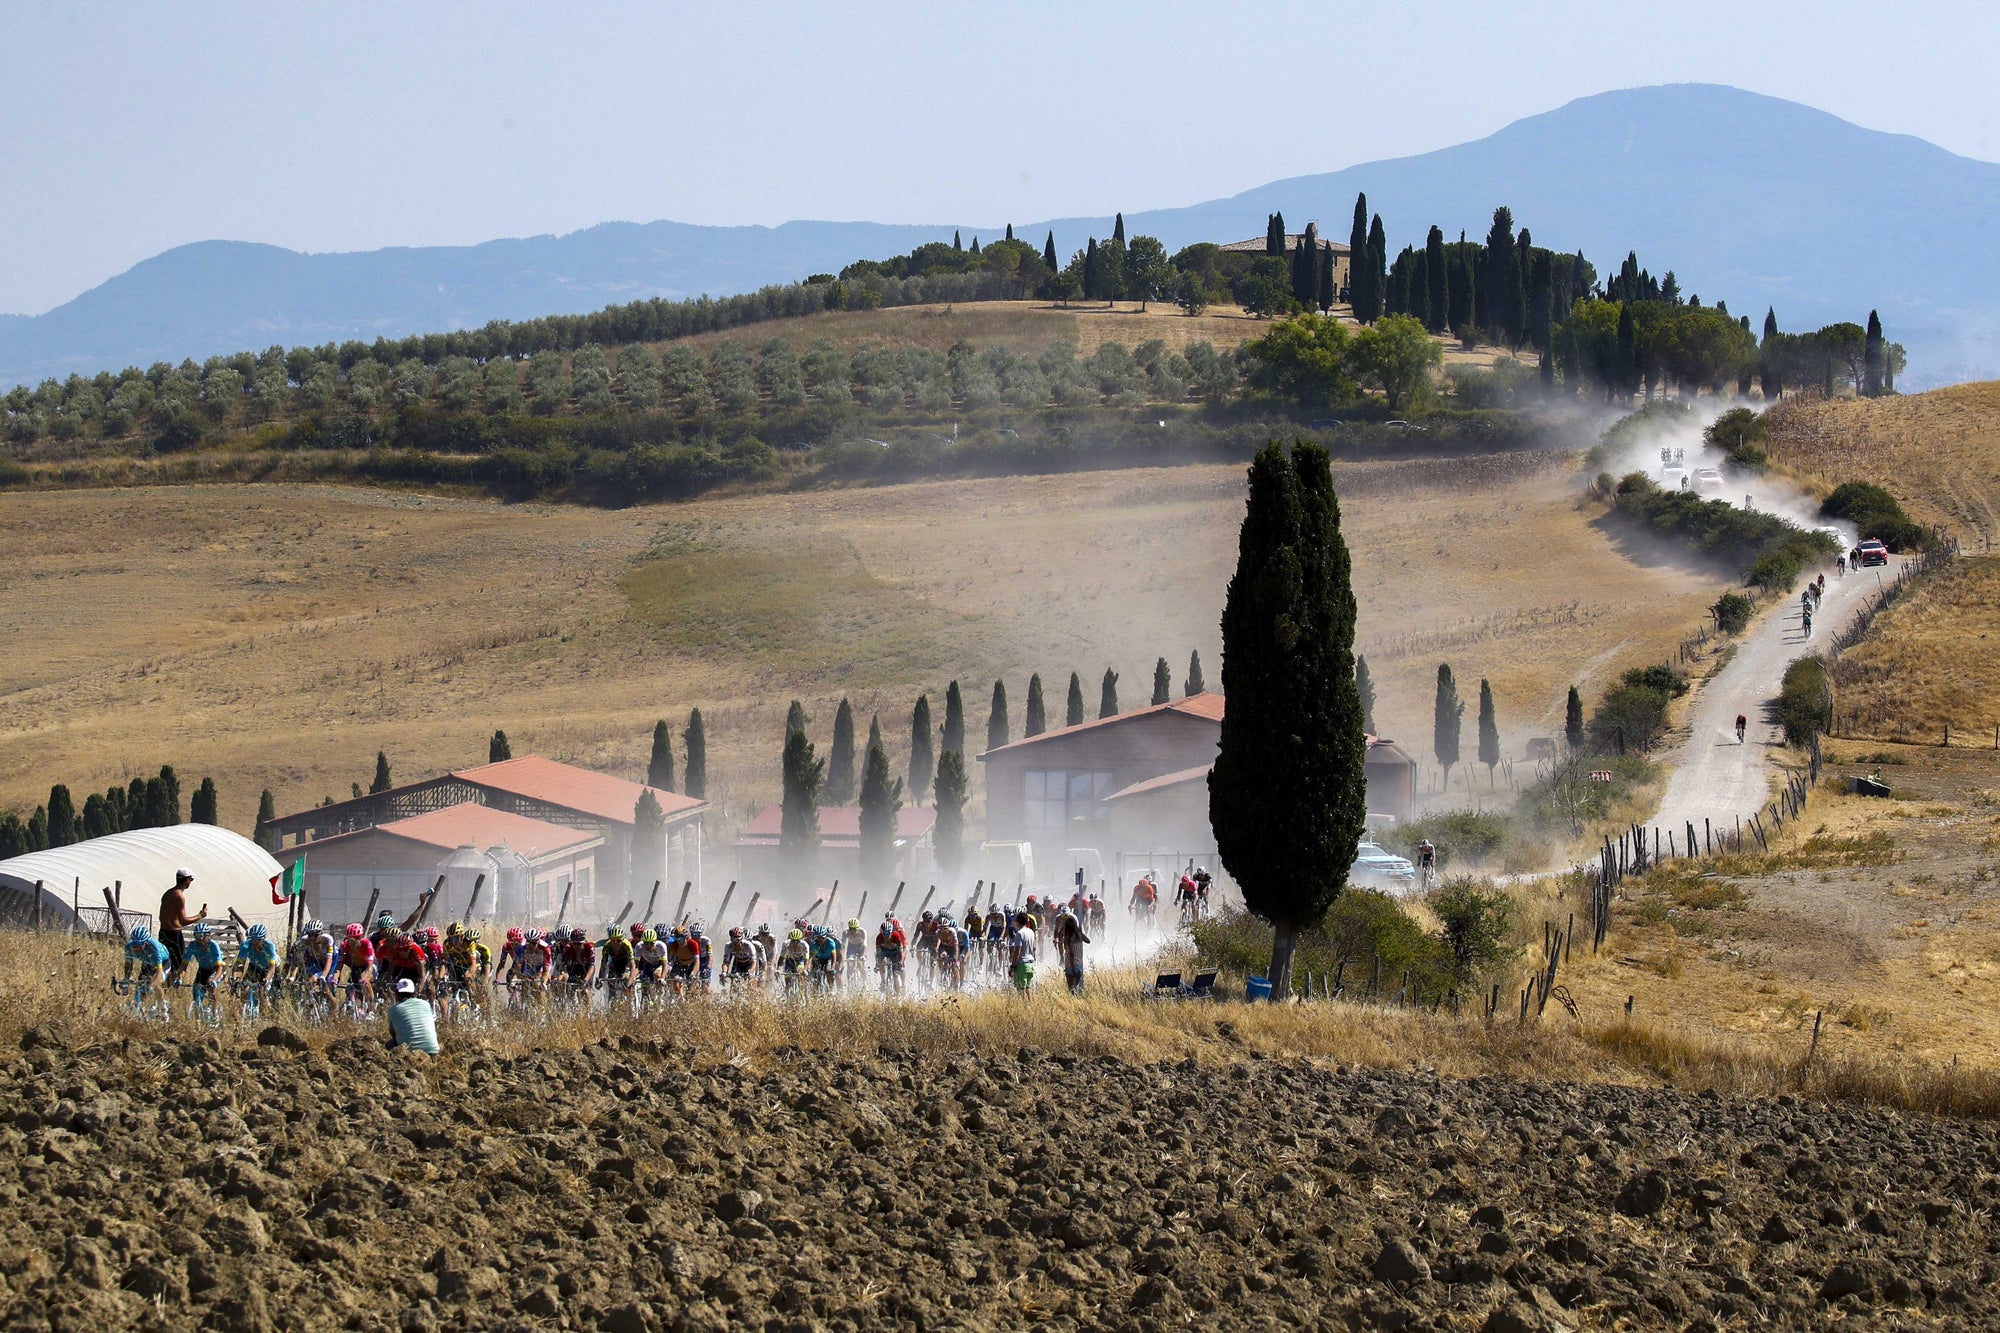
x=1740, y=434
x=1362, y=927
x=1659, y=677
x=1732, y=612
x=1875, y=513
x=1476, y=926
x=1805, y=701
x=1770, y=551
x=1629, y=720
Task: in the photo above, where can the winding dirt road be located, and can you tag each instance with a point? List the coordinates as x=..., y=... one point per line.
x=1714, y=777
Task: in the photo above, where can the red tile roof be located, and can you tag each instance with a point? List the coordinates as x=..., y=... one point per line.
x=1207, y=707
x=596, y=794
x=839, y=825
x=1164, y=780
x=1293, y=240
x=481, y=826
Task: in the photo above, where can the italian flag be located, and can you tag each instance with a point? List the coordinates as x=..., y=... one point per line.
x=288, y=883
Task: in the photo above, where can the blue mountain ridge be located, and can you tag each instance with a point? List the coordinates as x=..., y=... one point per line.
x=1749, y=198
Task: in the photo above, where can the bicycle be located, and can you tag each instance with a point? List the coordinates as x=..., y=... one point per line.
x=203, y=1004
x=249, y=995
x=147, y=1001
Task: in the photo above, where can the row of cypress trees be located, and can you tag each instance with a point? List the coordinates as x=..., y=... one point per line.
x=1447, y=723
x=152, y=802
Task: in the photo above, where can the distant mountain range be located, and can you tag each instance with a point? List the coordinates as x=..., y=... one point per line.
x=1747, y=198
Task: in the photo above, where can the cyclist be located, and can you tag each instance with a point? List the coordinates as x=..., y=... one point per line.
x=1807, y=619
x=1145, y=899
x=767, y=944
x=147, y=954
x=616, y=952
x=206, y=955
x=1203, y=882
x=314, y=956
x=510, y=951
x=996, y=932
x=924, y=936
x=707, y=948
x=1184, y=895
x=683, y=957
x=1098, y=913
x=650, y=955
x=466, y=960
x=1427, y=861
x=1742, y=723
x=257, y=956
x=433, y=948
x=855, y=947
x=400, y=957
x=825, y=958
x=742, y=959
x=532, y=959
x=947, y=958
x=1840, y=565
x=357, y=955
x=889, y=942
x=793, y=958
x=379, y=932
x=579, y=958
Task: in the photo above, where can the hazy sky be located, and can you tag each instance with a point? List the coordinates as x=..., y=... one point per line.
x=132, y=127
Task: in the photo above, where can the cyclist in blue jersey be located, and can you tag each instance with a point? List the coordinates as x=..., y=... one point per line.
x=146, y=954
x=257, y=955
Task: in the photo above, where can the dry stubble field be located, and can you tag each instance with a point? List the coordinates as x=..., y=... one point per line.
x=278, y=636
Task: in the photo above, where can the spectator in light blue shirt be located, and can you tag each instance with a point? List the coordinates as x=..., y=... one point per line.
x=412, y=1022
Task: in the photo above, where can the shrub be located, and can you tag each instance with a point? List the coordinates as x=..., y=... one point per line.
x=1732, y=612
x=1462, y=837
x=1362, y=927
x=1630, y=718
x=1739, y=433
x=1477, y=926
x=1805, y=701
x=1876, y=514
x=1661, y=677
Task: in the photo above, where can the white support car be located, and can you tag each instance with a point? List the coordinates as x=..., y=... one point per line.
x=1375, y=867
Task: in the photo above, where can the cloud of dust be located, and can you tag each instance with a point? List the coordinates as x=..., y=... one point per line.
x=1665, y=441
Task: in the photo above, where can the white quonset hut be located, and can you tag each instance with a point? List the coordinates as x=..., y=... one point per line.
x=230, y=871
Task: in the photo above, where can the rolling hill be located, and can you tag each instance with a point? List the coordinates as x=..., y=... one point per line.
x=1749, y=198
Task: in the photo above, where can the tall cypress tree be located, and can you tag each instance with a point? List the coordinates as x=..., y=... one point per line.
x=1447, y=715
x=840, y=758
x=1010, y=232
x=798, y=828
x=13, y=836
x=1118, y=231
x=1036, y=720
x=1274, y=235
x=1364, y=690
x=1327, y=295
x=202, y=805
x=954, y=242
x=1049, y=254
x=881, y=797
x=646, y=855
x=1194, y=684
x=954, y=719
x=694, y=745
x=1437, y=314
x=498, y=751
x=795, y=717
x=62, y=822
x=1872, y=358
x=1287, y=795
x=1358, y=269
x=38, y=830
x=1163, y=683
x=1107, y=695
x=948, y=833
x=1489, y=731
x=381, y=782
x=1378, y=268
x=996, y=717
x=1573, y=720
x=923, y=755
x=1073, y=712
x=660, y=765
x=96, y=820
x=267, y=807
x=1093, y=272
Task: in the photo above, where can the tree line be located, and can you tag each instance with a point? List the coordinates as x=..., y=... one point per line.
x=862, y=775
x=144, y=802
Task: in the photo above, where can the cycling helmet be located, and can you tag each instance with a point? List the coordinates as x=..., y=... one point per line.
x=514, y=935
x=454, y=929
x=354, y=930
x=736, y=932
x=611, y=930
x=201, y=930
x=854, y=923
x=392, y=933
x=579, y=935
x=259, y=933
x=796, y=935
x=531, y=935
x=639, y=928
x=384, y=919
x=471, y=935
x=650, y=937
x=140, y=935
x=431, y=934
x=315, y=927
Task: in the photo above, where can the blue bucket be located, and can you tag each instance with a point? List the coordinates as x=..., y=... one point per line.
x=1258, y=988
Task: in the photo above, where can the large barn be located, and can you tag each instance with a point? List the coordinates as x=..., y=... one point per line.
x=1133, y=789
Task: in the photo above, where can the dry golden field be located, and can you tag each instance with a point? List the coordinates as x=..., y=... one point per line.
x=279, y=636
x=1930, y=661
x=1937, y=452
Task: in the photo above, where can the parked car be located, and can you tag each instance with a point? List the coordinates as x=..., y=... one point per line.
x=1708, y=479
x=1874, y=552
x=1674, y=477
x=1376, y=867
x=1400, y=424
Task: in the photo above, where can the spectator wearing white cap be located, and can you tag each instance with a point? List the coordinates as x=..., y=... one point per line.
x=412, y=1022
x=174, y=919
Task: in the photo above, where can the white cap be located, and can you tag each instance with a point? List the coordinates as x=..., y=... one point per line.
x=406, y=987
x=183, y=873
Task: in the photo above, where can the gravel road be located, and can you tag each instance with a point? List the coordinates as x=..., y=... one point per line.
x=1715, y=778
